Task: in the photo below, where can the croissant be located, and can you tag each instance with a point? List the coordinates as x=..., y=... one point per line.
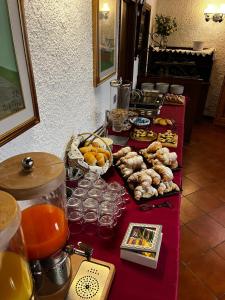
x=122, y=152
x=90, y=158
x=100, y=159
x=153, y=147
x=165, y=172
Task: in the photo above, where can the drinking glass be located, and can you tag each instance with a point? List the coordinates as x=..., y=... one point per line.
x=75, y=214
x=79, y=193
x=106, y=220
x=91, y=208
x=100, y=184
x=92, y=176
x=117, y=188
x=74, y=209
x=115, y=200
x=85, y=184
x=109, y=196
x=95, y=194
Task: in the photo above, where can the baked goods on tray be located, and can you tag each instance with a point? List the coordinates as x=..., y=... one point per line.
x=168, y=139
x=128, y=161
x=143, y=182
x=174, y=99
x=156, y=152
x=140, y=134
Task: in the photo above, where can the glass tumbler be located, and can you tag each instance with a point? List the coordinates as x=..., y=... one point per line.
x=75, y=214
x=85, y=183
x=107, y=220
x=92, y=176
x=100, y=184
x=80, y=193
x=114, y=200
x=91, y=210
x=95, y=194
x=117, y=188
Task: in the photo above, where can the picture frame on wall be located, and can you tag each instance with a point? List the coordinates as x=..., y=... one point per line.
x=104, y=17
x=18, y=100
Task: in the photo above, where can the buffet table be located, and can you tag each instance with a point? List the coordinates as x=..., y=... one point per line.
x=133, y=281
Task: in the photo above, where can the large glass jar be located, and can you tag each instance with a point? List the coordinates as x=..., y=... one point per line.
x=15, y=277
x=37, y=181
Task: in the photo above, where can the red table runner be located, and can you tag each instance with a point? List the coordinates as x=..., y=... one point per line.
x=133, y=281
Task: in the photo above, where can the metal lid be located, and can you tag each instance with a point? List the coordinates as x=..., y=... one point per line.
x=31, y=175
x=8, y=209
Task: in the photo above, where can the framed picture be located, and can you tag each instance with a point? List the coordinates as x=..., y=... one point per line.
x=18, y=101
x=104, y=39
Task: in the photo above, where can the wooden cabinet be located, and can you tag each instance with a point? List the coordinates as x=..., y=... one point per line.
x=220, y=115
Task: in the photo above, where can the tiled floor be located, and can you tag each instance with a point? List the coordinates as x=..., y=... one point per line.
x=202, y=253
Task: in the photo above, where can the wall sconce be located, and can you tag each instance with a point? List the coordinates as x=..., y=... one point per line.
x=215, y=14
x=104, y=12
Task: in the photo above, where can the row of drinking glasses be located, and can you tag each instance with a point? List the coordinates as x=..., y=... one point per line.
x=96, y=205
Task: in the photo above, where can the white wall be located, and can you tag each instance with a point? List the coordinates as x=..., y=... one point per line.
x=60, y=36
x=192, y=26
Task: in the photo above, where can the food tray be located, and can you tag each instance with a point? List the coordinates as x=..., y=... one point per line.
x=144, y=139
x=149, y=165
x=144, y=200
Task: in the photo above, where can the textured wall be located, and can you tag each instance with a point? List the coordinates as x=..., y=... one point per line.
x=60, y=36
x=192, y=26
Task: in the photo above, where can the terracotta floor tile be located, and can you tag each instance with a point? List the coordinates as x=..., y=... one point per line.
x=202, y=178
x=219, y=215
x=220, y=250
x=191, y=288
x=191, y=244
x=189, y=211
x=204, y=200
x=189, y=186
x=210, y=268
x=217, y=189
x=208, y=229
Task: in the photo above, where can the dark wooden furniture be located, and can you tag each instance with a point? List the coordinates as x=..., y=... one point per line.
x=185, y=67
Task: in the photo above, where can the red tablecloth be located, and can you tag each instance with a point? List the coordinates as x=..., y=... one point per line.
x=133, y=281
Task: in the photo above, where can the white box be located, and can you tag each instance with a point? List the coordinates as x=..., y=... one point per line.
x=140, y=258
x=140, y=242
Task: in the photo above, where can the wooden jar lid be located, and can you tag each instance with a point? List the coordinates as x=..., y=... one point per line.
x=46, y=175
x=8, y=209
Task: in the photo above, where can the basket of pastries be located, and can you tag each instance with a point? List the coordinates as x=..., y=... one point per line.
x=88, y=154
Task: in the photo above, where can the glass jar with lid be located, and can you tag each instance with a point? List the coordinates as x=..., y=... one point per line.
x=37, y=181
x=15, y=277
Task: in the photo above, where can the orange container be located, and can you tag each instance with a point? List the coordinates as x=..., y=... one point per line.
x=37, y=181
x=45, y=230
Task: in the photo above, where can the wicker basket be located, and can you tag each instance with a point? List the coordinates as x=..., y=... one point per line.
x=76, y=160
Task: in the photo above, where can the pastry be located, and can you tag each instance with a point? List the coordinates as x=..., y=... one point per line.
x=143, y=134
x=163, y=122
x=168, y=139
x=90, y=158
x=174, y=99
x=100, y=159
